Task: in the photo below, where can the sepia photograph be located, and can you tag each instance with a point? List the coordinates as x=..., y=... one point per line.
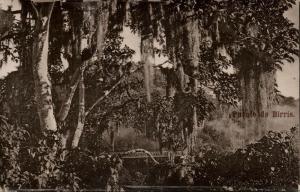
x=149, y=96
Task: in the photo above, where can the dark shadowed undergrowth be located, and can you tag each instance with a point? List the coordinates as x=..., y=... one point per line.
x=27, y=163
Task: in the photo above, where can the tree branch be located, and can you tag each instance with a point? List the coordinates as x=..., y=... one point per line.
x=47, y=23
x=117, y=107
x=5, y=36
x=81, y=112
x=159, y=65
x=66, y=104
x=4, y=120
x=36, y=12
x=107, y=92
x=51, y=10
x=128, y=92
x=3, y=117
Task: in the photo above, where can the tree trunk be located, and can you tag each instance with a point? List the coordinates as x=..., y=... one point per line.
x=43, y=93
x=112, y=139
x=25, y=54
x=176, y=78
x=76, y=66
x=105, y=10
x=66, y=103
x=171, y=42
x=195, y=117
x=81, y=113
x=75, y=62
x=192, y=50
x=171, y=87
x=65, y=138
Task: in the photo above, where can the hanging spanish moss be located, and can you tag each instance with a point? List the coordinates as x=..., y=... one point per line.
x=257, y=83
x=257, y=95
x=147, y=50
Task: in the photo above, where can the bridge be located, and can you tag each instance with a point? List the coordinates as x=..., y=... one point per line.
x=142, y=154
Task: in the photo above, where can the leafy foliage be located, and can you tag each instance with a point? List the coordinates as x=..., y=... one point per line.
x=40, y=163
x=10, y=145
x=270, y=162
x=230, y=30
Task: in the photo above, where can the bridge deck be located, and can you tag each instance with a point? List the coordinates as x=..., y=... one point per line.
x=155, y=154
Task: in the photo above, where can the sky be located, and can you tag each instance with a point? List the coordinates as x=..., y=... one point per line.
x=287, y=79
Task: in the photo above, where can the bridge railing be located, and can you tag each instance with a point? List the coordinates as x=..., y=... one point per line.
x=153, y=153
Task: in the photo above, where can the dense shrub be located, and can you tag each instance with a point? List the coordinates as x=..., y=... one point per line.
x=11, y=138
x=27, y=162
x=270, y=162
x=41, y=163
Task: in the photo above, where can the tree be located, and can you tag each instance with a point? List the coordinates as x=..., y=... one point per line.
x=43, y=92
x=202, y=41
x=87, y=84
x=261, y=50
x=43, y=88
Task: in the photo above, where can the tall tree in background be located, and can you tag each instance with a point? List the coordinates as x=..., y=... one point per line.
x=264, y=43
